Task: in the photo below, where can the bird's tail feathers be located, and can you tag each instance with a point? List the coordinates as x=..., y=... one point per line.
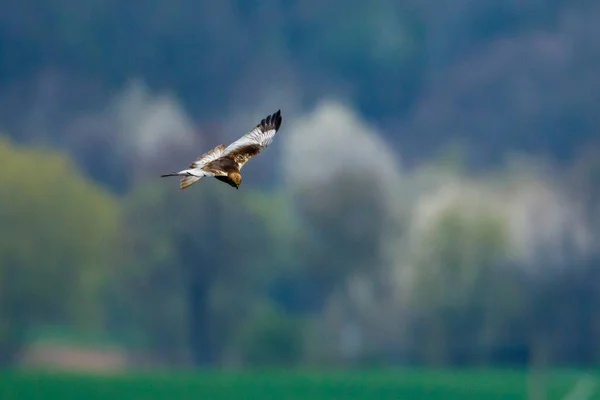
x=188, y=180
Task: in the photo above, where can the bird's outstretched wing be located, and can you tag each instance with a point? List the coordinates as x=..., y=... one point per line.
x=254, y=141
x=209, y=156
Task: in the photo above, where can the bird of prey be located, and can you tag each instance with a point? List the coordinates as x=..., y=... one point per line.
x=225, y=163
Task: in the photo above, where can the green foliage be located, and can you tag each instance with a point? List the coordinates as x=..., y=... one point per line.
x=194, y=267
x=265, y=385
x=459, y=283
x=57, y=231
x=206, y=253
x=181, y=46
x=338, y=240
x=457, y=249
x=271, y=338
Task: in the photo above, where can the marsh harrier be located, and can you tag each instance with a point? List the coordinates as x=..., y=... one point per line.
x=225, y=163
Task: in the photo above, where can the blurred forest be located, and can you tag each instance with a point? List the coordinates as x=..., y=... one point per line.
x=432, y=198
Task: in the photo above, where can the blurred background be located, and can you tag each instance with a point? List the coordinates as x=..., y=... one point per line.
x=432, y=198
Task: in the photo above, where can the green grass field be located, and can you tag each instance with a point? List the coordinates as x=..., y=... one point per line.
x=350, y=385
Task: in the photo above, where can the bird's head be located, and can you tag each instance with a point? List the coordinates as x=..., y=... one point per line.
x=236, y=178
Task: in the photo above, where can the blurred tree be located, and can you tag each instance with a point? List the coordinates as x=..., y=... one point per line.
x=573, y=293
x=270, y=337
x=503, y=269
x=461, y=292
x=57, y=232
x=405, y=64
x=204, y=253
x=344, y=222
x=427, y=72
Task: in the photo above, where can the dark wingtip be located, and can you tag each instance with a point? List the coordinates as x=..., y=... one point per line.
x=279, y=119
x=276, y=119
x=272, y=121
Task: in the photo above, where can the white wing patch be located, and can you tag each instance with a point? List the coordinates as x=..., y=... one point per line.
x=261, y=136
x=209, y=156
x=255, y=137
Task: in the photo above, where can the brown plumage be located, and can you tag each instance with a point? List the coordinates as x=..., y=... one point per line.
x=225, y=163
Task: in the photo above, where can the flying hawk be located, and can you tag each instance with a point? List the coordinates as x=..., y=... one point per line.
x=225, y=163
